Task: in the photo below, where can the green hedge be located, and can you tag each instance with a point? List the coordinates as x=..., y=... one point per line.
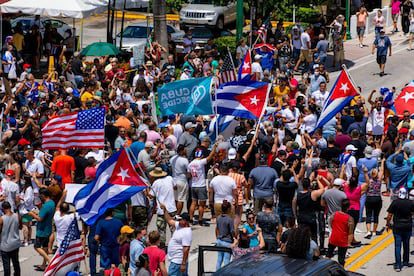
x=225, y=42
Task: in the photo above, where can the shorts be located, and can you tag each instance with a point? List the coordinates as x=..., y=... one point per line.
x=41, y=242
x=181, y=193
x=361, y=31
x=218, y=212
x=381, y=59
x=395, y=17
x=199, y=193
x=305, y=55
x=27, y=218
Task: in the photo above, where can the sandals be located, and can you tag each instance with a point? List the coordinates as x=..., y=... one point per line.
x=40, y=267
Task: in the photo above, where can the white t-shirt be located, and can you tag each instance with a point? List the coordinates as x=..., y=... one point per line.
x=28, y=199
x=309, y=122
x=198, y=172
x=163, y=190
x=290, y=115
x=349, y=165
x=35, y=166
x=304, y=39
x=10, y=190
x=62, y=224
x=257, y=68
x=223, y=186
x=138, y=200
x=180, y=238
x=178, y=130
x=179, y=165
x=320, y=97
x=378, y=120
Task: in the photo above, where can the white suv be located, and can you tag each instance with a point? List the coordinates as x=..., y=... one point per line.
x=207, y=12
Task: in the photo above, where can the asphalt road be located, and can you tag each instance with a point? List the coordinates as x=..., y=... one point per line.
x=375, y=256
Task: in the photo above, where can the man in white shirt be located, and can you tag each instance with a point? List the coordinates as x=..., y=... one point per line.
x=305, y=54
x=163, y=190
x=377, y=119
x=320, y=95
x=34, y=167
x=180, y=243
x=290, y=116
x=9, y=190
x=350, y=162
x=222, y=187
x=257, y=70
x=196, y=169
x=179, y=164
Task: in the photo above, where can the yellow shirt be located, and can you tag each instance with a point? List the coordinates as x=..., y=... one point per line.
x=18, y=40
x=86, y=96
x=278, y=94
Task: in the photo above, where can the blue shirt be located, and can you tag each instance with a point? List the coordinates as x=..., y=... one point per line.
x=135, y=250
x=370, y=163
x=315, y=81
x=108, y=231
x=398, y=173
x=264, y=181
x=44, y=227
x=382, y=43
x=135, y=148
x=254, y=241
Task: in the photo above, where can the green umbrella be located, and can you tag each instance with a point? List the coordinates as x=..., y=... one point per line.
x=98, y=49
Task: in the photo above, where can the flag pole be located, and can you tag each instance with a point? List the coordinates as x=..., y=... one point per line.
x=232, y=61
x=215, y=106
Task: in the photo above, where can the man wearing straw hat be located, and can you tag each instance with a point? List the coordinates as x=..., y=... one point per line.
x=163, y=190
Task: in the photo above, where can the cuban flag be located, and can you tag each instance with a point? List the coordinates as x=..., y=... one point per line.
x=243, y=99
x=222, y=124
x=405, y=100
x=342, y=92
x=388, y=98
x=116, y=181
x=267, y=52
x=245, y=70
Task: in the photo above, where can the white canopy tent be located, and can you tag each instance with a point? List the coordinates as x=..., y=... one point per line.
x=52, y=8
x=76, y=9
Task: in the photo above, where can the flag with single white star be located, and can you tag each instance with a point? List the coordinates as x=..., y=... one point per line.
x=69, y=254
x=342, y=92
x=116, y=181
x=405, y=101
x=245, y=70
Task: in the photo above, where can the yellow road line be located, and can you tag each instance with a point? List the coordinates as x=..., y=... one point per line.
x=366, y=248
x=371, y=255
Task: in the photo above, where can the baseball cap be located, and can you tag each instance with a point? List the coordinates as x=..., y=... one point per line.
x=232, y=154
x=368, y=152
x=149, y=144
x=292, y=102
x=411, y=194
x=189, y=125
x=58, y=178
x=126, y=229
x=184, y=216
x=257, y=57
x=338, y=182
x=26, y=66
x=9, y=172
x=402, y=193
x=350, y=147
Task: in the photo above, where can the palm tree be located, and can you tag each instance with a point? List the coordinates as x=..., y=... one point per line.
x=159, y=8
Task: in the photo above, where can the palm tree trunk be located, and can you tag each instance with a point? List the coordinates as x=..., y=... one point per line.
x=159, y=8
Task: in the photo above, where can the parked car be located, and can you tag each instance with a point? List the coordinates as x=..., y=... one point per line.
x=135, y=34
x=207, y=12
x=271, y=264
x=28, y=22
x=202, y=34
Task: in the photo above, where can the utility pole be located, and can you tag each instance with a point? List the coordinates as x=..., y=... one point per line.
x=159, y=9
x=348, y=19
x=240, y=20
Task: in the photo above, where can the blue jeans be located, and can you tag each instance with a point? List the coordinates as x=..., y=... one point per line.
x=174, y=270
x=284, y=213
x=402, y=237
x=362, y=205
x=223, y=257
x=93, y=251
x=109, y=256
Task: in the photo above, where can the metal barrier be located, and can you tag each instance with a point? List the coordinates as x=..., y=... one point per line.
x=369, y=25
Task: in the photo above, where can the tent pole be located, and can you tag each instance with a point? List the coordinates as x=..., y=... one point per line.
x=112, y=21
x=81, y=39
x=108, y=37
x=122, y=25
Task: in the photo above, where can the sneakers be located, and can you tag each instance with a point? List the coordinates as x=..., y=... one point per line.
x=368, y=236
x=379, y=233
x=397, y=268
x=361, y=46
x=358, y=231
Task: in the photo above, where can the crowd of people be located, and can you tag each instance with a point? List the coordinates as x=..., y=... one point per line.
x=276, y=185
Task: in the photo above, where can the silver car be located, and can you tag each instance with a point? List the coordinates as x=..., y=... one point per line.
x=136, y=34
x=28, y=22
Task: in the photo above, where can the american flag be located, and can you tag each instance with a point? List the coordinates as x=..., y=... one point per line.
x=227, y=72
x=262, y=32
x=83, y=129
x=69, y=254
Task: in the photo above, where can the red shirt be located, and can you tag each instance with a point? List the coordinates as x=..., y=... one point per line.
x=340, y=230
x=156, y=256
x=111, y=73
x=63, y=165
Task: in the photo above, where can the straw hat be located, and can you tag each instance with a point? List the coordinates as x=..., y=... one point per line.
x=157, y=172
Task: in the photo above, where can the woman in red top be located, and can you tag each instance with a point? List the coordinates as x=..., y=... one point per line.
x=342, y=232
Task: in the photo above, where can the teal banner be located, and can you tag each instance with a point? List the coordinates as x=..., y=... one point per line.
x=191, y=97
